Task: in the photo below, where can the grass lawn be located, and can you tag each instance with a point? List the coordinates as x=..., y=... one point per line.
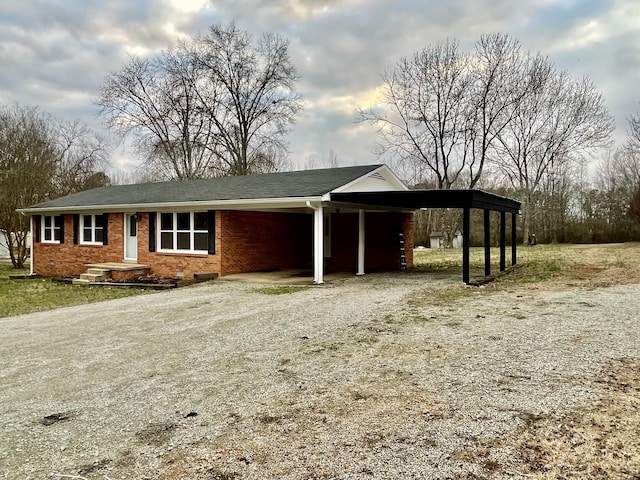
x=542, y=266
x=35, y=295
x=551, y=265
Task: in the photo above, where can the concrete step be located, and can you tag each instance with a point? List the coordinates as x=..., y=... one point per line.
x=93, y=277
x=98, y=271
x=80, y=281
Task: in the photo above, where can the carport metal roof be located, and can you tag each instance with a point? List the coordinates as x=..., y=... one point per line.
x=464, y=199
x=415, y=199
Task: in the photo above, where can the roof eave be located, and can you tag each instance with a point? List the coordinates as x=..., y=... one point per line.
x=234, y=204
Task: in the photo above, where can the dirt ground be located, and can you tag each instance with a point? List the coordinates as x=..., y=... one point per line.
x=387, y=376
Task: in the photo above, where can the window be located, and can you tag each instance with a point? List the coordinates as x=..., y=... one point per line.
x=92, y=227
x=133, y=225
x=184, y=232
x=52, y=228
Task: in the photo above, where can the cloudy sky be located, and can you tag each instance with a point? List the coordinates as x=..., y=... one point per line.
x=56, y=53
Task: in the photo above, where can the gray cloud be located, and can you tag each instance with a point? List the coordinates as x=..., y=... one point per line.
x=56, y=54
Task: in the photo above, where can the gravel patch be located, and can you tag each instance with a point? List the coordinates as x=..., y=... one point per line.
x=351, y=380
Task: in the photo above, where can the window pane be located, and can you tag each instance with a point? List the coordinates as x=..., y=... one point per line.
x=58, y=221
x=98, y=220
x=201, y=241
x=166, y=241
x=56, y=234
x=99, y=236
x=166, y=221
x=183, y=221
x=47, y=235
x=200, y=220
x=86, y=221
x=47, y=222
x=86, y=235
x=133, y=225
x=184, y=242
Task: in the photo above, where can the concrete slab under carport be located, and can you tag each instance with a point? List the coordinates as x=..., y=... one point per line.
x=305, y=277
x=283, y=277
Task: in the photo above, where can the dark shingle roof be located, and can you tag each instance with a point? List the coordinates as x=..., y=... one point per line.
x=304, y=183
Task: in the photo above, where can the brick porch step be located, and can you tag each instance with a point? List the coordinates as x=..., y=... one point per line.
x=105, y=272
x=98, y=271
x=96, y=277
x=120, y=267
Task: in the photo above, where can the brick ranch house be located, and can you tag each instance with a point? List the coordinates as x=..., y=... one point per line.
x=226, y=225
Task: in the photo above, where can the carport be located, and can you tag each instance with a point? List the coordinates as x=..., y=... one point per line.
x=462, y=199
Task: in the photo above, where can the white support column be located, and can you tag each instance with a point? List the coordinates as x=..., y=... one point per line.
x=318, y=245
x=31, y=246
x=360, y=242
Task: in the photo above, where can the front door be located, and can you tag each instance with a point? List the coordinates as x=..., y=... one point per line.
x=130, y=237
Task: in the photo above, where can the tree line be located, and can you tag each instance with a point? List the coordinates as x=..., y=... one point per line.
x=498, y=118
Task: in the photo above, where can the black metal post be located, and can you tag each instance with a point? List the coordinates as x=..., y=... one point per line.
x=466, y=224
x=487, y=242
x=513, y=239
x=503, y=241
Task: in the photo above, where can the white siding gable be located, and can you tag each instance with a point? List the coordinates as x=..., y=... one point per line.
x=380, y=180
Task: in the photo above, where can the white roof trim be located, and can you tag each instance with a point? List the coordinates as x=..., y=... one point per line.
x=386, y=172
x=235, y=204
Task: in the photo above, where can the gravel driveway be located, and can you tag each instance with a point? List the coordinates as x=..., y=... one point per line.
x=359, y=379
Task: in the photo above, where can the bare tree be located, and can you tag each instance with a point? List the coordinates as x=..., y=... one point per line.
x=40, y=159
x=626, y=166
x=314, y=161
x=81, y=156
x=27, y=163
x=497, y=69
x=634, y=206
x=156, y=102
x=633, y=135
x=602, y=207
x=255, y=101
x=558, y=122
x=212, y=106
x=443, y=110
x=619, y=169
x=424, y=120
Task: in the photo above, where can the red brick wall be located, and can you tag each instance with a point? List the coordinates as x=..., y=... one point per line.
x=261, y=241
x=168, y=265
x=382, y=243
x=344, y=243
x=67, y=259
x=245, y=242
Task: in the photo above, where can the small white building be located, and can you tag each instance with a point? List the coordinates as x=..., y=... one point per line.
x=457, y=240
x=4, y=248
x=436, y=240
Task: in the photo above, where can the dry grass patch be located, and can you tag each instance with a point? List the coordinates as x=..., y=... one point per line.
x=296, y=440
x=602, y=441
x=541, y=267
x=584, y=265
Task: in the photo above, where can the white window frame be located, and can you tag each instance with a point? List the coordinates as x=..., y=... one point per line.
x=51, y=230
x=93, y=229
x=174, y=231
